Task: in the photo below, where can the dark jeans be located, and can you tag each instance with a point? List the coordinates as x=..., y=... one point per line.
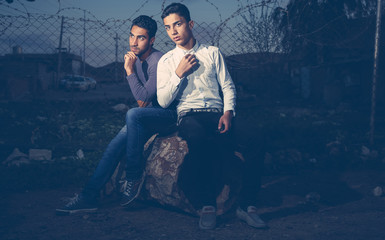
x=209, y=153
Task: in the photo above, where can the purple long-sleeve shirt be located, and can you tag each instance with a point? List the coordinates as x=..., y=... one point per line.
x=143, y=81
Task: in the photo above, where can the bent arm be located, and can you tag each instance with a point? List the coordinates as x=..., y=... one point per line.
x=143, y=93
x=168, y=84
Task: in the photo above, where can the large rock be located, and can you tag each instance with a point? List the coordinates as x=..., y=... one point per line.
x=165, y=156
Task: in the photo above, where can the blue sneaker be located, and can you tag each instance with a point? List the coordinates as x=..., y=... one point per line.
x=77, y=204
x=131, y=190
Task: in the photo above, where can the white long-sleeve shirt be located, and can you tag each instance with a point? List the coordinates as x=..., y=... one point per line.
x=200, y=89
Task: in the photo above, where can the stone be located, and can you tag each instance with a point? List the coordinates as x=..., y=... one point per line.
x=377, y=191
x=165, y=156
x=312, y=197
x=121, y=107
x=16, y=158
x=80, y=154
x=40, y=154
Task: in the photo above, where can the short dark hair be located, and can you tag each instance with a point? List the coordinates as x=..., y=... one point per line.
x=177, y=8
x=147, y=23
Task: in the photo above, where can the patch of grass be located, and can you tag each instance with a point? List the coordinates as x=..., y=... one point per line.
x=61, y=127
x=282, y=138
x=71, y=171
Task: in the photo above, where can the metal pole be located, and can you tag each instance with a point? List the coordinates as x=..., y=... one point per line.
x=116, y=56
x=84, y=44
x=374, y=81
x=56, y=83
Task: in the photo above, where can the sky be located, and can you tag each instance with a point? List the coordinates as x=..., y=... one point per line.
x=42, y=36
x=201, y=10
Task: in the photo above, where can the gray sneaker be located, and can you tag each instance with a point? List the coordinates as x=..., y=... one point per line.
x=77, y=204
x=251, y=217
x=208, y=218
x=131, y=190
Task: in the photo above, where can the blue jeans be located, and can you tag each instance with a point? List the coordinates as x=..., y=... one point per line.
x=141, y=123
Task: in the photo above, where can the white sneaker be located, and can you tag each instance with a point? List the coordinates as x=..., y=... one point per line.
x=251, y=217
x=208, y=218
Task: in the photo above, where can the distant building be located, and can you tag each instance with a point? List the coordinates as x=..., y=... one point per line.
x=31, y=74
x=260, y=75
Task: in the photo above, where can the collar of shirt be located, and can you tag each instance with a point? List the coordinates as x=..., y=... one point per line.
x=190, y=51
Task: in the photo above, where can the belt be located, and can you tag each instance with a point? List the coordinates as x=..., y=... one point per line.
x=186, y=112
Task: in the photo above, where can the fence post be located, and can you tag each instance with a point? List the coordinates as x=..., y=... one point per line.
x=84, y=44
x=374, y=81
x=56, y=83
x=116, y=38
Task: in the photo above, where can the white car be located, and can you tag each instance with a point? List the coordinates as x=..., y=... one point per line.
x=63, y=81
x=78, y=83
x=92, y=82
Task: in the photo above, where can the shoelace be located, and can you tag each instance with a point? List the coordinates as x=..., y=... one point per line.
x=129, y=186
x=126, y=186
x=73, y=200
x=123, y=185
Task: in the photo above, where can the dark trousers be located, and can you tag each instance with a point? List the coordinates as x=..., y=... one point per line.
x=202, y=174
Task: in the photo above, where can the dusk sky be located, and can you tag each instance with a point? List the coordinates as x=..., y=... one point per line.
x=201, y=10
x=41, y=35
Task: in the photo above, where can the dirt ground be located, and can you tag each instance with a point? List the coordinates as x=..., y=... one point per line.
x=346, y=209
x=314, y=203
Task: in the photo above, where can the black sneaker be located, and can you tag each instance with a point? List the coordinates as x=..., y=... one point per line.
x=75, y=205
x=131, y=190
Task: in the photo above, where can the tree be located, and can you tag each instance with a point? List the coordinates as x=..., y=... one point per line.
x=256, y=30
x=311, y=26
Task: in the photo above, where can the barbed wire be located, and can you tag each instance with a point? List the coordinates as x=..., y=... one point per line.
x=235, y=14
x=40, y=33
x=15, y=9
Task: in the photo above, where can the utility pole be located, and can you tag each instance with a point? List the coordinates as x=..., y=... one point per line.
x=84, y=44
x=374, y=81
x=116, y=38
x=56, y=83
x=69, y=45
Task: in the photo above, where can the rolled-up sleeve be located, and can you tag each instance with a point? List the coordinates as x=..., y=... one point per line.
x=226, y=83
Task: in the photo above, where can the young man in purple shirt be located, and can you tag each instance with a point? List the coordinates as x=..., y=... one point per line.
x=140, y=64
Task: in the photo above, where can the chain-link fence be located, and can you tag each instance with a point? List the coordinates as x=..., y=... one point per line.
x=48, y=47
x=93, y=44
x=98, y=43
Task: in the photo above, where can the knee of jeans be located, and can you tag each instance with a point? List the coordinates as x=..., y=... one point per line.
x=132, y=115
x=192, y=135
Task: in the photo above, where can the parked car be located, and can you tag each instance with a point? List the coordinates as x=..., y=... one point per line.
x=63, y=81
x=77, y=83
x=92, y=82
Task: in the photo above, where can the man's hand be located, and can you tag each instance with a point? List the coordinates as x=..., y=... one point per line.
x=185, y=65
x=142, y=104
x=224, y=124
x=129, y=62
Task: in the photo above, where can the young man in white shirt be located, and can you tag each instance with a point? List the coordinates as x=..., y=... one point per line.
x=195, y=78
